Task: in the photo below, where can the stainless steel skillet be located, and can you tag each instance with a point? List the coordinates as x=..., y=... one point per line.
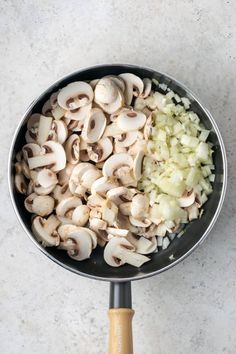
x=121, y=312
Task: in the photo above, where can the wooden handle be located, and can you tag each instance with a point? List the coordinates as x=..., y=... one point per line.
x=120, y=334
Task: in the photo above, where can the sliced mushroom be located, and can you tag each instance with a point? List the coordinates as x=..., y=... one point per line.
x=115, y=162
x=72, y=149
x=94, y=126
x=33, y=121
x=44, y=128
x=55, y=157
x=64, y=175
x=133, y=86
x=95, y=200
x=46, y=178
x=75, y=95
x=187, y=199
x=40, y=205
x=140, y=223
x=47, y=109
x=45, y=230
x=53, y=99
x=89, y=177
x=67, y=205
x=120, y=195
x=139, y=206
x=37, y=188
x=93, y=83
x=117, y=232
x=99, y=227
x=78, y=244
x=61, y=130
x=58, y=112
x=31, y=149
x=125, y=208
x=131, y=120
x=147, y=130
x=102, y=185
x=79, y=114
x=119, y=251
x=76, y=175
x=138, y=164
x=119, y=150
x=112, y=130
x=61, y=192
x=108, y=95
x=143, y=245
x=109, y=212
x=99, y=151
x=147, y=87
x=126, y=139
x=20, y=183
x=80, y=215
x=193, y=212
x=118, y=81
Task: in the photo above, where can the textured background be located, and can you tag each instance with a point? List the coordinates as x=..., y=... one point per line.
x=189, y=309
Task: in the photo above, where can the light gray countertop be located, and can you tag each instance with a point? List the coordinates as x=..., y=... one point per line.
x=189, y=309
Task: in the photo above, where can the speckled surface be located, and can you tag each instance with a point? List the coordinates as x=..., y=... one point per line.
x=190, y=308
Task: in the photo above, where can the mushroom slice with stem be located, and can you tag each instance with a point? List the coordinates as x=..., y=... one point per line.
x=131, y=120
x=119, y=251
x=138, y=164
x=187, y=199
x=65, y=229
x=79, y=114
x=20, y=183
x=61, y=130
x=45, y=124
x=140, y=223
x=61, y=192
x=147, y=83
x=139, y=206
x=45, y=230
x=99, y=151
x=89, y=177
x=92, y=235
x=94, y=126
x=120, y=195
x=75, y=95
x=133, y=86
x=46, y=178
x=72, y=149
x=80, y=215
x=143, y=245
x=102, y=185
x=31, y=149
x=54, y=157
x=115, y=162
x=67, y=205
x=126, y=139
x=39, y=205
x=78, y=244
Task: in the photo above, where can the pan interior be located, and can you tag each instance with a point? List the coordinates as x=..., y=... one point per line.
x=194, y=231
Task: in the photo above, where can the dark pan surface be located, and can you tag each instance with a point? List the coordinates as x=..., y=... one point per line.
x=195, y=232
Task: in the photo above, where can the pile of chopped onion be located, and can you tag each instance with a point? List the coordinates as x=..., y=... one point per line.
x=179, y=161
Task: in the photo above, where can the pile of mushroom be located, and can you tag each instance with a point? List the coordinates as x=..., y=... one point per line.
x=81, y=171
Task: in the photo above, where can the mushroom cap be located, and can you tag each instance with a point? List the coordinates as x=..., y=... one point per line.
x=94, y=126
x=130, y=120
x=80, y=215
x=64, y=230
x=72, y=149
x=99, y=151
x=79, y=114
x=119, y=251
x=102, y=185
x=31, y=149
x=89, y=177
x=75, y=95
x=105, y=91
x=115, y=162
x=126, y=139
x=120, y=195
x=78, y=244
x=43, y=230
x=46, y=178
x=67, y=204
x=38, y=189
x=42, y=205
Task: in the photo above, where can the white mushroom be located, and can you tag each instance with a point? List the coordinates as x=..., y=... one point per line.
x=31, y=149
x=64, y=175
x=20, y=183
x=108, y=95
x=138, y=164
x=61, y=130
x=75, y=95
x=115, y=162
x=89, y=177
x=61, y=192
x=78, y=244
x=133, y=86
x=143, y=245
x=72, y=149
x=125, y=208
x=38, y=189
x=39, y=205
x=77, y=173
x=54, y=157
x=119, y=251
x=109, y=212
x=126, y=139
x=187, y=199
x=33, y=121
x=112, y=130
x=53, y=99
x=67, y=205
x=193, y=212
x=120, y=195
x=147, y=130
x=79, y=114
x=100, y=151
x=45, y=230
x=47, y=109
x=140, y=223
x=64, y=230
x=117, y=232
x=80, y=215
x=139, y=206
x=130, y=120
x=94, y=126
x=147, y=88
x=58, y=112
x=46, y=178
x=44, y=128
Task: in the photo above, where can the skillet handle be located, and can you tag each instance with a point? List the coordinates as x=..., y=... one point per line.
x=120, y=316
